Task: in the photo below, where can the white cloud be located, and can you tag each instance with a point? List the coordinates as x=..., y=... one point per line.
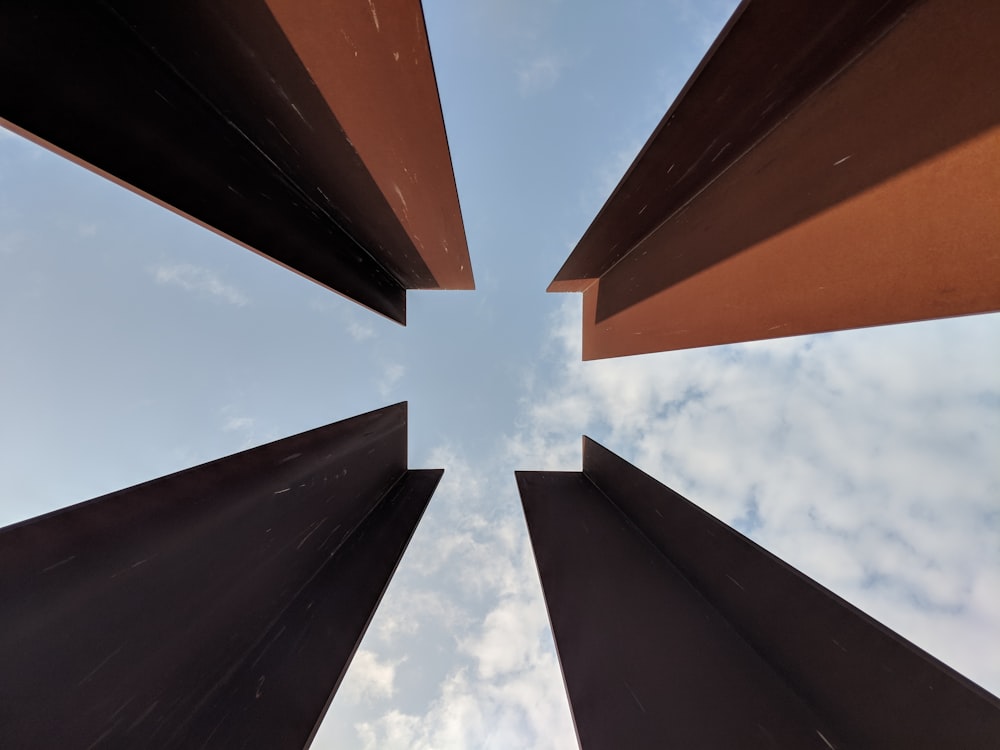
x=539, y=75
x=511, y=637
x=359, y=331
x=369, y=678
x=244, y=428
x=401, y=615
x=390, y=378
x=510, y=696
x=519, y=712
x=235, y=424
x=201, y=280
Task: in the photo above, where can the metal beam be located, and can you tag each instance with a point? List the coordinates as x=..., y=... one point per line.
x=309, y=134
x=674, y=630
x=825, y=168
x=216, y=607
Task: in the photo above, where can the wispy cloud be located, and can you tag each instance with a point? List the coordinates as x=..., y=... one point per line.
x=390, y=378
x=235, y=424
x=401, y=617
x=326, y=303
x=539, y=75
x=371, y=678
x=200, y=280
x=242, y=427
x=359, y=331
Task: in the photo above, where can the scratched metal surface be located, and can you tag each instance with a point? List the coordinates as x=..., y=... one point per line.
x=371, y=62
x=770, y=57
x=826, y=167
x=208, y=109
x=674, y=630
x=218, y=605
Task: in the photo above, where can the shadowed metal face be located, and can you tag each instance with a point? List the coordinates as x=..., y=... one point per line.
x=308, y=132
x=218, y=606
x=675, y=630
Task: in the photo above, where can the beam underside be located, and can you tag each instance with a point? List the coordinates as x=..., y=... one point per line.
x=219, y=605
x=872, y=201
x=613, y=546
x=208, y=110
x=646, y=661
x=740, y=91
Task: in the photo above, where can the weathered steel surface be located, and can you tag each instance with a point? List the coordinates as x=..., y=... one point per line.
x=647, y=662
x=216, y=607
x=674, y=630
x=207, y=108
x=379, y=80
x=825, y=168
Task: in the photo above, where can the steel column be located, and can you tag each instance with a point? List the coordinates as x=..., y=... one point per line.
x=310, y=134
x=828, y=166
x=216, y=607
x=674, y=630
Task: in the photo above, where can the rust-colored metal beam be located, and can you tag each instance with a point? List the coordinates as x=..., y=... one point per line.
x=309, y=133
x=371, y=61
x=216, y=607
x=826, y=167
x=675, y=630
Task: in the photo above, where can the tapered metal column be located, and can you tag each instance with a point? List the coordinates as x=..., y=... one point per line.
x=828, y=166
x=674, y=630
x=310, y=132
x=216, y=607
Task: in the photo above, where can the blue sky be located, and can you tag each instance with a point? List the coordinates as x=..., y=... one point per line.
x=135, y=344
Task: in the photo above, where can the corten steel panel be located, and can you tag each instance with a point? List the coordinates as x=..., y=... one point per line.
x=216, y=607
x=380, y=82
x=647, y=662
x=860, y=191
x=674, y=630
x=207, y=108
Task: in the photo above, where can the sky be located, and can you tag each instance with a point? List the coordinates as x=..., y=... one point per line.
x=134, y=344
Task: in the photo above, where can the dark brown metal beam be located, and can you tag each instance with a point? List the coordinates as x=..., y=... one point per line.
x=674, y=630
x=216, y=607
x=826, y=167
x=230, y=114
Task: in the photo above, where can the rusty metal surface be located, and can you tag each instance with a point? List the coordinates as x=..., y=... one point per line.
x=771, y=55
x=674, y=630
x=208, y=109
x=871, y=199
x=218, y=605
x=372, y=63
